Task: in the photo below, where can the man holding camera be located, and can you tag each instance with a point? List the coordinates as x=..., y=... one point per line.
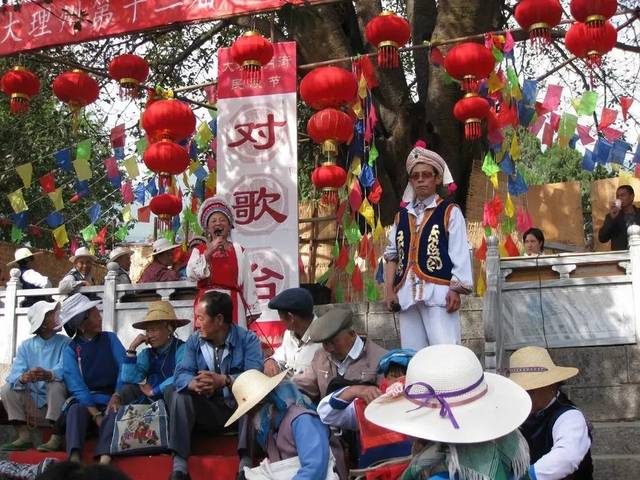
x=622, y=214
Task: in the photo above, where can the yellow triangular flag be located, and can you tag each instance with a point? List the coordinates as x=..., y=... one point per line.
x=356, y=166
x=362, y=87
x=502, y=251
x=17, y=201
x=60, y=236
x=495, y=83
x=131, y=165
x=26, y=172
x=92, y=249
x=624, y=178
x=185, y=179
x=193, y=166
x=357, y=109
x=378, y=233
x=83, y=169
x=56, y=199
x=126, y=213
x=366, y=210
x=514, y=149
x=563, y=141
x=509, y=209
x=481, y=286
x=494, y=181
x=575, y=102
x=210, y=182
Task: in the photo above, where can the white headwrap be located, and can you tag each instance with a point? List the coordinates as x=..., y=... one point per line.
x=420, y=154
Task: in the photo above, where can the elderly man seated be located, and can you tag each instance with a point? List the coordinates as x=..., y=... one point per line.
x=36, y=375
x=344, y=354
x=213, y=357
x=122, y=256
x=160, y=268
x=29, y=277
x=80, y=274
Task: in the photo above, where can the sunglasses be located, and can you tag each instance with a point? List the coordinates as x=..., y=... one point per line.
x=426, y=175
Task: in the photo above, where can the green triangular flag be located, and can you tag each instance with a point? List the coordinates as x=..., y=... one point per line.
x=204, y=136
x=324, y=278
x=487, y=232
x=373, y=155
x=371, y=290
x=16, y=234
x=168, y=234
x=587, y=103
x=446, y=78
x=336, y=250
x=351, y=266
x=83, y=150
x=141, y=145
x=489, y=165
x=508, y=225
x=88, y=233
x=122, y=232
x=352, y=232
x=339, y=294
x=497, y=54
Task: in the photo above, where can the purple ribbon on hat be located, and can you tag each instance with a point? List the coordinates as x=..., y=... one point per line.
x=423, y=398
x=508, y=371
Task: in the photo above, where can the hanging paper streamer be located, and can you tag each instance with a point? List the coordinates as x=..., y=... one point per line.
x=351, y=266
x=116, y=181
x=489, y=166
x=366, y=210
x=510, y=247
x=17, y=201
x=585, y=137
x=94, y=212
x=371, y=290
x=118, y=153
x=203, y=136
x=83, y=169
x=537, y=125
x=48, y=183
x=126, y=214
x=481, y=252
x=141, y=145
x=378, y=233
x=55, y=219
x=506, y=165
x=601, y=151
x=636, y=155
x=63, y=159
x=83, y=150
x=524, y=221
x=587, y=104
x=517, y=185
x=60, y=236
x=127, y=192
x=131, y=165
x=121, y=233
x=25, y=172
x=529, y=92
x=16, y=234
x=552, y=98
x=625, y=104
x=619, y=151
x=363, y=247
x=140, y=193
x=612, y=134
x=509, y=209
x=342, y=259
x=607, y=117
x=355, y=196
x=547, y=135
x=151, y=187
x=587, y=161
x=356, y=280
x=567, y=125
x=366, y=176
x=20, y=220
x=88, y=233
x=376, y=193
x=352, y=233
x=56, y=199
x=514, y=148
x=144, y=214
x=117, y=136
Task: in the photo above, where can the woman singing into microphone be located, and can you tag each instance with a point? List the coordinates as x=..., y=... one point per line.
x=221, y=264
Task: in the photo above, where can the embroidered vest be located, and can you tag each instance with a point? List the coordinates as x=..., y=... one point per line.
x=25, y=284
x=424, y=248
x=538, y=430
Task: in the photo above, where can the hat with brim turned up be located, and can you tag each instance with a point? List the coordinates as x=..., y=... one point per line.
x=161, y=311
x=532, y=368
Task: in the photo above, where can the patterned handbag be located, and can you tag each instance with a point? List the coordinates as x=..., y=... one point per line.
x=140, y=429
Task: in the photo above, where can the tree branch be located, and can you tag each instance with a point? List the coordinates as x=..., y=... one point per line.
x=196, y=44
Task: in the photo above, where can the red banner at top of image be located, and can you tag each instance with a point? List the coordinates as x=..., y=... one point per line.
x=45, y=25
x=278, y=76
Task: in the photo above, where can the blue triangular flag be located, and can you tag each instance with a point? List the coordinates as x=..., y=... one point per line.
x=118, y=153
x=175, y=225
x=55, y=219
x=193, y=150
x=184, y=142
x=601, y=151
x=213, y=125
x=63, y=159
x=380, y=272
x=517, y=185
x=81, y=187
x=366, y=176
x=529, y=92
x=116, y=181
x=506, y=165
x=151, y=187
x=201, y=173
x=618, y=151
x=525, y=113
x=587, y=161
x=140, y=193
x=94, y=212
x=198, y=190
x=636, y=156
x=573, y=141
x=20, y=220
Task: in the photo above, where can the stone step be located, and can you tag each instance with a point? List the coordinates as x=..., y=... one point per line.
x=620, y=467
x=616, y=438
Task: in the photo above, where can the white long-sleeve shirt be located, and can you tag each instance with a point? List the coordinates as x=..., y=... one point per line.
x=571, y=443
x=414, y=289
x=35, y=278
x=335, y=412
x=295, y=354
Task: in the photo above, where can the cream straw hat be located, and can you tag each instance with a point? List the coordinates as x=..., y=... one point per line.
x=249, y=388
x=532, y=367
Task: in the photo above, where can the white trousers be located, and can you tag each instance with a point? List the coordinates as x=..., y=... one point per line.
x=422, y=325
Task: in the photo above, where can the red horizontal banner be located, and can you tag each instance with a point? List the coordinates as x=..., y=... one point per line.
x=46, y=25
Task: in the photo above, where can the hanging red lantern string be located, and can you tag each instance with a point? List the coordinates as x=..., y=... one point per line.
x=538, y=17
x=581, y=43
x=166, y=206
x=20, y=84
x=388, y=32
x=469, y=63
x=471, y=110
x=593, y=13
x=252, y=52
x=329, y=128
x=77, y=89
x=329, y=178
x=130, y=71
x=328, y=87
x=166, y=158
x=168, y=119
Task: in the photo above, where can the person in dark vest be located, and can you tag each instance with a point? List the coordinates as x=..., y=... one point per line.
x=427, y=260
x=145, y=375
x=622, y=214
x=80, y=275
x=122, y=256
x=556, y=431
x=29, y=277
x=284, y=424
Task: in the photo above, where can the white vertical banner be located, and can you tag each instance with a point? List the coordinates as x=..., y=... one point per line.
x=258, y=173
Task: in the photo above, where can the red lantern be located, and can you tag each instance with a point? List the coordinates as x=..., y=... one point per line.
x=130, y=71
x=469, y=63
x=328, y=87
x=170, y=119
x=471, y=110
x=329, y=178
x=165, y=206
x=388, y=32
x=20, y=84
x=166, y=158
x=252, y=52
x=77, y=89
x=538, y=17
x=330, y=127
x=593, y=13
x=581, y=43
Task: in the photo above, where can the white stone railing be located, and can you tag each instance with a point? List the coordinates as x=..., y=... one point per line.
x=564, y=300
x=121, y=306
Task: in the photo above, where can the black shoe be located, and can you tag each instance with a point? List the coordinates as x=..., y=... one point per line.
x=179, y=476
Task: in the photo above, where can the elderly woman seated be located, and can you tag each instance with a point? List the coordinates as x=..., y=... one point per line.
x=91, y=362
x=35, y=382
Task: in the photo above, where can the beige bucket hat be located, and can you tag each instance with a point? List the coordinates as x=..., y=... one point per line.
x=82, y=252
x=249, y=388
x=162, y=245
x=37, y=312
x=161, y=311
x=21, y=254
x=532, y=367
x=448, y=398
x=119, y=252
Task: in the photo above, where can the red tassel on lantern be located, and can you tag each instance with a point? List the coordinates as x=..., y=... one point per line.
x=252, y=52
x=20, y=84
x=583, y=44
x=471, y=110
x=130, y=71
x=166, y=158
x=329, y=178
x=388, y=32
x=538, y=17
x=165, y=206
x=330, y=127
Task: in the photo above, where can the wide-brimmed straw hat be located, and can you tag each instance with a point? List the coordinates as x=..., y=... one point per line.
x=161, y=311
x=162, y=245
x=249, y=388
x=21, y=254
x=448, y=398
x=119, y=252
x=532, y=367
x=82, y=252
x=37, y=312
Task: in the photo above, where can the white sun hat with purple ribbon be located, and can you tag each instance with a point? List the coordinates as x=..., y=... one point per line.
x=448, y=398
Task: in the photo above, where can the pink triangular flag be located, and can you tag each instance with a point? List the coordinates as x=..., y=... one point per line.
x=625, y=104
x=612, y=134
x=547, y=135
x=523, y=220
x=552, y=98
x=554, y=121
x=355, y=196
x=607, y=117
x=537, y=125
x=585, y=137
x=509, y=42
